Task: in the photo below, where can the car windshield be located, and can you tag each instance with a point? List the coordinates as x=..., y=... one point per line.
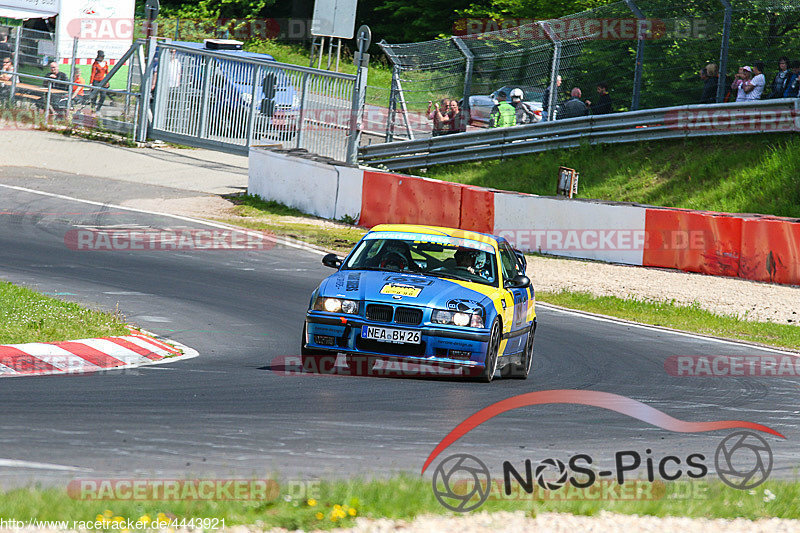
x=434, y=255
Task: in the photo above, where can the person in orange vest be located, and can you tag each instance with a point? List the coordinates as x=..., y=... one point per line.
x=99, y=72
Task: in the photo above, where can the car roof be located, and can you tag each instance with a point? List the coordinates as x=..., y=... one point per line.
x=439, y=230
x=232, y=53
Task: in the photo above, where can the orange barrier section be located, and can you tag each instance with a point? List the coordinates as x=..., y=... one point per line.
x=771, y=250
x=477, y=209
x=693, y=241
x=396, y=199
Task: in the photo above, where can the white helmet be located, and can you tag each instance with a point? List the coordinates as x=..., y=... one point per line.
x=517, y=93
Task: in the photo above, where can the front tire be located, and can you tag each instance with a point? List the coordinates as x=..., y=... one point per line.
x=492, y=348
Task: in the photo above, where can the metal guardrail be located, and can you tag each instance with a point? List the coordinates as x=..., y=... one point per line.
x=763, y=116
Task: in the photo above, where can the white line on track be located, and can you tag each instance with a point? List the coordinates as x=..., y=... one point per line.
x=600, y=318
x=286, y=242
x=13, y=463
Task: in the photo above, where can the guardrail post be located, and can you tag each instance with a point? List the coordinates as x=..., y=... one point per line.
x=470, y=60
x=723, y=51
x=144, y=99
x=637, y=73
x=16, y=63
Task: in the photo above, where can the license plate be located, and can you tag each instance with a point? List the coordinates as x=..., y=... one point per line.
x=397, y=336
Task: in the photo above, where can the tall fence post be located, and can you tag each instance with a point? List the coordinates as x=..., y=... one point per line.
x=202, y=131
x=144, y=99
x=392, y=114
x=72, y=75
x=357, y=105
x=470, y=61
x=302, y=113
x=554, y=67
x=723, y=51
x=637, y=73
x=16, y=63
x=251, y=116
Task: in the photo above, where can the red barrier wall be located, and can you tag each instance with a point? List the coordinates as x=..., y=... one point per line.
x=395, y=199
x=694, y=241
x=771, y=250
x=477, y=209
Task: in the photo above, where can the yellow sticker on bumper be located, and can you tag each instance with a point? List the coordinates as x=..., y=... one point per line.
x=402, y=290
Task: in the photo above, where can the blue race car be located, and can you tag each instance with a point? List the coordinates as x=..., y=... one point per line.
x=427, y=295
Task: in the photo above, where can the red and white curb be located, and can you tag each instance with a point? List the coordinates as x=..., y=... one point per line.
x=89, y=355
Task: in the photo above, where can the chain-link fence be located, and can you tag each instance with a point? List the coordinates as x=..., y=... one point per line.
x=648, y=52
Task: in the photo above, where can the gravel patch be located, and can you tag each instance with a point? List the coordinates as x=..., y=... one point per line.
x=749, y=300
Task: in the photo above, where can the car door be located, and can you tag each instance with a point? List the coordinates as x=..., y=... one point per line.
x=516, y=315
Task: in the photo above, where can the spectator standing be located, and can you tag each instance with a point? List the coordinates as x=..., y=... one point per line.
x=99, y=72
x=602, y=105
x=57, y=76
x=755, y=87
x=573, y=107
x=546, y=98
x=435, y=114
x=523, y=112
x=793, y=86
x=455, y=119
x=742, y=77
x=503, y=114
x=710, y=77
x=781, y=80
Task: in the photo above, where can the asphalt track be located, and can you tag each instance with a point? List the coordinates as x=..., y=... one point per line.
x=230, y=412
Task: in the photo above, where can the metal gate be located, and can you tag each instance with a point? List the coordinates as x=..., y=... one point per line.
x=212, y=99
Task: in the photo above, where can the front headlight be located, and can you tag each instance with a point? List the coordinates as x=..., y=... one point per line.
x=336, y=305
x=442, y=316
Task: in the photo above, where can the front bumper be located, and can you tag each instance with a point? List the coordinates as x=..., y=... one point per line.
x=440, y=344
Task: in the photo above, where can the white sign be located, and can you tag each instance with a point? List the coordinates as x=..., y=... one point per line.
x=334, y=18
x=98, y=25
x=29, y=8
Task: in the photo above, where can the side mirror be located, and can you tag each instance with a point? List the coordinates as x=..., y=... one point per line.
x=332, y=260
x=519, y=282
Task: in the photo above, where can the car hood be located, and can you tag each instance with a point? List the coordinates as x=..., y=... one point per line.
x=429, y=291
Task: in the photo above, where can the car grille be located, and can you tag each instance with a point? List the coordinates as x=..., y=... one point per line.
x=379, y=313
x=408, y=315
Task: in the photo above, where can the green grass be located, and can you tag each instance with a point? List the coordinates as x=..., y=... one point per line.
x=401, y=497
x=735, y=174
x=687, y=318
x=270, y=216
x=27, y=316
